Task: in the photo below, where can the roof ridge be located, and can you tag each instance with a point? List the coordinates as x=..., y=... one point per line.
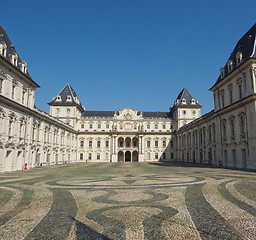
x=70, y=90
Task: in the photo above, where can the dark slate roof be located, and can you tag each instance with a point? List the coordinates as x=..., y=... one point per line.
x=156, y=114
x=185, y=94
x=64, y=93
x=247, y=46
x=11, y=50
x=110, y=114
x=98, y=114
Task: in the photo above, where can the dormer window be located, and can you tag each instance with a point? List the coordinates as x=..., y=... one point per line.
x=193, y=101
x=58, y=98
x=14, y=59
x=239, y=57
x=222, y=72
x=3, y=49
x=230, y=65
x=183, y=101
x=69, y=98
x=24, y=67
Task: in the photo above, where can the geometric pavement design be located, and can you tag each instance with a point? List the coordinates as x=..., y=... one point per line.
x=128, y=201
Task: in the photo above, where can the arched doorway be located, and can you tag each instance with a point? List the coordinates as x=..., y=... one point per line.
x=135, y=156
x=120, y=156
x=128, y=156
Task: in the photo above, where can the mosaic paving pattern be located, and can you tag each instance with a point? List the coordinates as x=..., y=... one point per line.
x=128, y=201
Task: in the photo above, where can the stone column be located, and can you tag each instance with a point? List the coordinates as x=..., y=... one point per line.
x=114, y=148
x=141, y=149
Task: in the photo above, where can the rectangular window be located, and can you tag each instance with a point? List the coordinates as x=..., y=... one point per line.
x=171, y=143
x=194, y=112
x=172, y=155
x=148, y=143
x=82, y=125
x=99, y=126
x=121, y=144
x=23, y=97
x=13, y=91
x=164, y=127
x=107, y=143
x=98, y=156
x=1, y=85
x=156, y=143
x=90, y=126
x=90, y=143
x=107, y=126
x=240, y=91
x=156, y=156
x=90, y=156
x=223, y=101
x=81, y=156
x=156, y=126
x=98, y=143
x=81, y=143
x=164, y=155
x=184, y=112
x=148, y=126
x=171, y=126
x=164, y=143
x=134, y=144
x=231, y=96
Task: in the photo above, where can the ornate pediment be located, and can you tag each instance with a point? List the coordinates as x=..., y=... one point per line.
x=128, y=114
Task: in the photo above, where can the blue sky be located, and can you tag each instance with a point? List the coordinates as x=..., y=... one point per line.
x=117, y=53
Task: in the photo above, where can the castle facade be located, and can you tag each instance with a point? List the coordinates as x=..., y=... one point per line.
x=226, y=136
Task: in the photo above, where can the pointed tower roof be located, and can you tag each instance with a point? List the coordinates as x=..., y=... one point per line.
x=10, y=50
x=67, y=96
x=247, y=47
x=185, y=99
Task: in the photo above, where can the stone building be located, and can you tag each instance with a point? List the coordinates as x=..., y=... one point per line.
x=225, y=136
x=28, y=137
x=126, y=134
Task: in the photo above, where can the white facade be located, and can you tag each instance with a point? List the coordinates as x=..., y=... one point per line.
x=227, y=135
x=31, y=138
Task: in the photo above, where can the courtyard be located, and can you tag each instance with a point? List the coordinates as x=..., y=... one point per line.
x=128, y=201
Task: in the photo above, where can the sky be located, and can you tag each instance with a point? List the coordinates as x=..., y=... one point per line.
x=126, y=53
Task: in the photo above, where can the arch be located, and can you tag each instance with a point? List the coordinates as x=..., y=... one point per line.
x=135, y=142
x=128, y=142
x=120, y=156
x=120, y=142
x=135, y=156
x=127, y=156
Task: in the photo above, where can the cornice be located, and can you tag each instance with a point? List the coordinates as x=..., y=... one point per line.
x=32, y=112
x=18, y=72
x=223, y=111
x=233, y=74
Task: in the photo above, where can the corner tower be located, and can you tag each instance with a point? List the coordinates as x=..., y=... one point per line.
x=66, y=106
x=185, y=108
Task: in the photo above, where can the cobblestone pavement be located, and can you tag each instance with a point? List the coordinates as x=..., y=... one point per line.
x=128, y=201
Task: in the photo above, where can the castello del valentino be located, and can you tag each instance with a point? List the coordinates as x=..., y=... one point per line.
x=226, y=136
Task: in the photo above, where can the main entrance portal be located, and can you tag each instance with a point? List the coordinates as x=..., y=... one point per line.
x=127, y=156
